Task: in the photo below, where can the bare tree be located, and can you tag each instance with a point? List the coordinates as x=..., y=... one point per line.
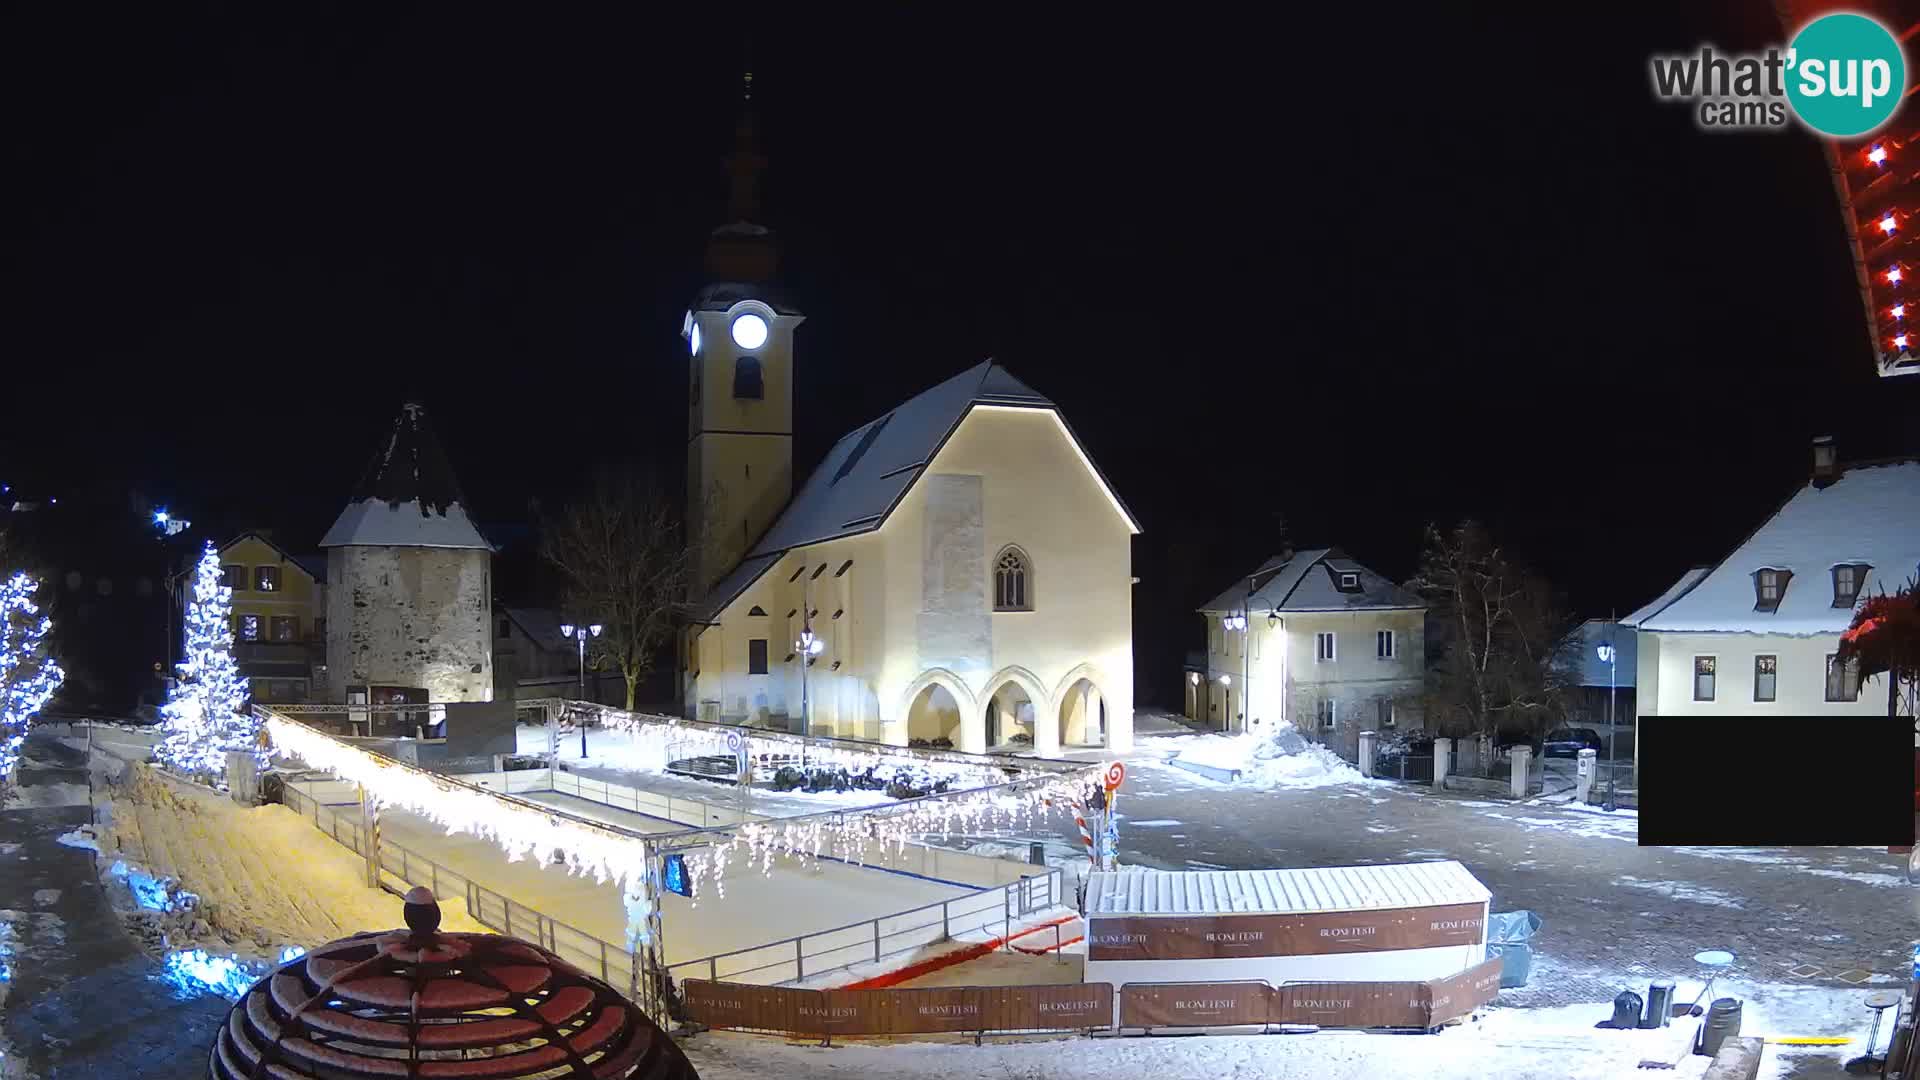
x=622, y=552
x=1503, y=659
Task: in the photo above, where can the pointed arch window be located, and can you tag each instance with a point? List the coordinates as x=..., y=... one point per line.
x=1012, y=580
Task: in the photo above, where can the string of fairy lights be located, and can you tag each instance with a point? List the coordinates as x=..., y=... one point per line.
x=611, y=854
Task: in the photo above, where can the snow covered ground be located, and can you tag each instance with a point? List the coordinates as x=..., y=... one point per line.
x=1556, y=1043
x=263, y=877
x=1264, y=763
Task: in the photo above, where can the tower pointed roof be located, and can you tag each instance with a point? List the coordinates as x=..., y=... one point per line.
x=742, y=250
x=408, y=496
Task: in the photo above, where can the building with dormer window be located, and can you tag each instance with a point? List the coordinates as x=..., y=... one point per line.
x=1757, y=632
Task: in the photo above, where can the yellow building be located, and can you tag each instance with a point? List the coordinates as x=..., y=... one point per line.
x=279, y=622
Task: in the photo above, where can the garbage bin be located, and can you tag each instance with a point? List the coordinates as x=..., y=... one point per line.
x=1723, y=1023
x=1507, y=934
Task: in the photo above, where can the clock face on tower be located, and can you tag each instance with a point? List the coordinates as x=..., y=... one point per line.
x=749, y=331
x=693, y=339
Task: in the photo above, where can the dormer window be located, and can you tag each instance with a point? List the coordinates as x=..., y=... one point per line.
x=1847, y=580
x=1349, y=582
x=1769, y=586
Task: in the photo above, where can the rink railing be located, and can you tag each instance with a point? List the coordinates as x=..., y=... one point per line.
x=788, y=960
x=401, y=868
x=872, y=941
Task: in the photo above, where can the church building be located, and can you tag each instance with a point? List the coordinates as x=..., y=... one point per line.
x=956, y=572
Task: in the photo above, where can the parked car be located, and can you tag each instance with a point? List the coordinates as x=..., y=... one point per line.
x=1569, y=741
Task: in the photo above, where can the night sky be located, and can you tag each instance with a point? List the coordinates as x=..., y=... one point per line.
x=1363, y=270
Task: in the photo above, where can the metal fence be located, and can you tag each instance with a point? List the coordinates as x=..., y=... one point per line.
x=788, y=960
x=823, y=952
x=402, y=868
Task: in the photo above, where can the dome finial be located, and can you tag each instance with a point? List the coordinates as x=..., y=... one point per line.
x=421, y=912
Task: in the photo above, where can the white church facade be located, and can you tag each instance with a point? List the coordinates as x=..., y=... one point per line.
x=956, y=572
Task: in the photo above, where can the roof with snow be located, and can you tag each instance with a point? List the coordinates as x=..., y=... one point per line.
x=408, y=496
x=1869, y=515
x=1282, y=892
x=1310, y=581
x=314, y=566
x=872, y=467
x=1592, y=671
x=1674, y=591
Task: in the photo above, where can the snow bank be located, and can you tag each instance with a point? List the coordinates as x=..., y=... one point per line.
x=261, y=879
x=80, y=838
x=1265, y=763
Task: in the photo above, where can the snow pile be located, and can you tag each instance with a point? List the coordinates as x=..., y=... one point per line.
x=1283, y=760
x=82, y=838
x=261, y=879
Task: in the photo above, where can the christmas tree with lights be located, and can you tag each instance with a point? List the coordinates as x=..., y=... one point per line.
x=205, y=715
x=28, y=676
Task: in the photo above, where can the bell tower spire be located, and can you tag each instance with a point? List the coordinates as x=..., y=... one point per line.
x=739, y=333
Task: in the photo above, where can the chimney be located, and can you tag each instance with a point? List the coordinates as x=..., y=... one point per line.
x=1826, y=464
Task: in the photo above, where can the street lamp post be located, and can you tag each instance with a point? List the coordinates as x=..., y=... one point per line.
x=580, y=634
x=1609, y=657
x=170, y=527
x=809, y=646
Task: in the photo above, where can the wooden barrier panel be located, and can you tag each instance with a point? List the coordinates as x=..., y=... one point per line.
x=1458, y=995
x=1215, y=937
x=1048, y=1008
x=740, y=1005
x=900, y=1012
x=1353, y=1004
x=1149, y=1005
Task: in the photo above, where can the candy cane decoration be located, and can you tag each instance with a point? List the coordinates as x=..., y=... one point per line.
x=1086, y=837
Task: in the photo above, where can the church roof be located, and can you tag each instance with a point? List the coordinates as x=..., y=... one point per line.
x=1289, y=582
x=870, y=469
x=408, y=496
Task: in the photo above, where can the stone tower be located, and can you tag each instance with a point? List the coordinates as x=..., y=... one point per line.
x=739, y=335
x=409, y=597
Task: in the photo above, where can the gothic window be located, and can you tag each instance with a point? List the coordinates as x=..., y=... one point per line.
x=1012, y=581
x=746, y=377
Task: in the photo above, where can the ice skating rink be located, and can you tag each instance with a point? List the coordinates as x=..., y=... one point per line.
x=752, y=909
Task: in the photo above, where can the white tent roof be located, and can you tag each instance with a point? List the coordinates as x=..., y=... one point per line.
x=1283, y=892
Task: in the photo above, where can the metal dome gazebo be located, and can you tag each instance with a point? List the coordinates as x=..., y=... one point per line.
x=418, y=1003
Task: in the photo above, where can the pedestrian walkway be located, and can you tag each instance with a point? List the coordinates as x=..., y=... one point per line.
x=83, y=1002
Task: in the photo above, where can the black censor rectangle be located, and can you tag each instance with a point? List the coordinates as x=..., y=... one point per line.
x=1776, y=781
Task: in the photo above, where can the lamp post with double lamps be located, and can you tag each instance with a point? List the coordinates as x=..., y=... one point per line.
x=580, y=634
x=1610, y=657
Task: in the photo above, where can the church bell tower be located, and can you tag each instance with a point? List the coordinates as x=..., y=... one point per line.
x=739, y=336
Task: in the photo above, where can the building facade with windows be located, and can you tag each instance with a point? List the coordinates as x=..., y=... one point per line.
x=1756, y=633
x=279, y=615
x=1315, y=640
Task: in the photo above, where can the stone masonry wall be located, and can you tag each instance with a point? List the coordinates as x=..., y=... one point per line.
x=410, y=617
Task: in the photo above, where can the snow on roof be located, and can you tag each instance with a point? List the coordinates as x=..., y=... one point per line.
x=1870, y=515
x=408, y=496
x=1674, y=591
x=865, y=474
x=1282, y=892
x=1293, y=584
